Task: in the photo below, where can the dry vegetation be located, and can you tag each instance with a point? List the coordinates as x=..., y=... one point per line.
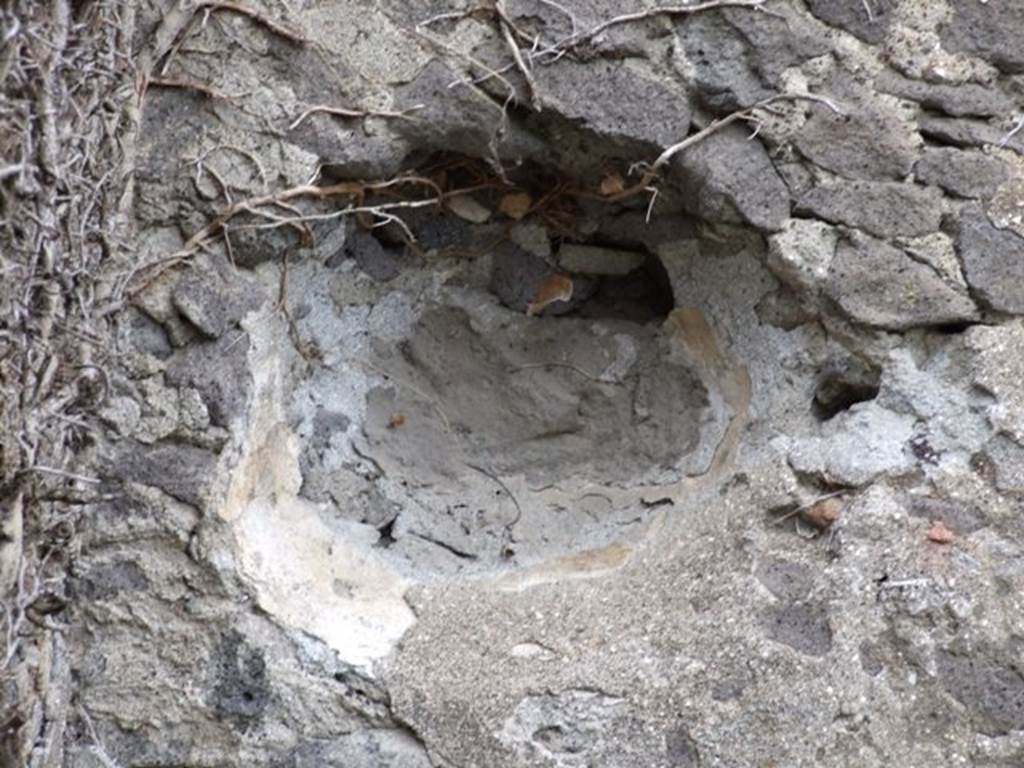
x=65, y=149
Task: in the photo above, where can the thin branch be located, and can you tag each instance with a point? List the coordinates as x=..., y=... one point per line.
x=507, y=28
x=506, y=538
x=670, y=10
x=1013, y=132
x=354, y=113
x=254, y=15
x=651, y=174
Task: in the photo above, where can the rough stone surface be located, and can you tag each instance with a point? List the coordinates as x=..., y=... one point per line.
x=214, y=303
x=991, y=33
x=592, y=260
x=880, y=285
x=867, y=144
x=357, y=508
x=738, y=59
x=729, y=178
x=957, y=100
x=962, y=132
x=617, y=99
x=869, y=22
x=993, y=261
x=962, y=173
x=883, y=209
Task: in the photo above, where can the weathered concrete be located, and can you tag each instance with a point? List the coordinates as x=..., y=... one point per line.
x=381, y=502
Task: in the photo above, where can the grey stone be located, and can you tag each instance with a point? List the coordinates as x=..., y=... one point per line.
x=181, y=471
x=122, y=414
x=964, y=173
x=729, y=178
x=593, y=260
x=992, y=33
x=517, y=276
x=145, y=334
x=213, y=304
x=787, y=580
x=800, y=254
x=739, y=56
x=380, y=263
x=963, y=132
x=859, y=445
x=681, y=749
x=870, y=21
x=240, y=690
x=866, y=143
x=884, y=209
x=616, y=98
x=532, y=237
x=462, y=119
x=218, y=371
x=1007, y=456
x=989, y=682
x=784, y=309
x=106, y=580
x=968, y=99
x=880, y=285
x=993, y=261
x=804, y=627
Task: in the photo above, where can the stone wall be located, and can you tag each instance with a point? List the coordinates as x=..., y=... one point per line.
x=514, y=449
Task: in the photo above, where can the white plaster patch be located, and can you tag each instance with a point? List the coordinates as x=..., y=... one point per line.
x=329, y=585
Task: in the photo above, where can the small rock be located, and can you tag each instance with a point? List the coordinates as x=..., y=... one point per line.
x=1007, y=456
x=121, y=414
x=961, y=132
x=213, y=304
x=592, y=260
x=517, y=278
x=885, y=209
x=800, y=254
x=380, y=263
x=469, y=209
x=865, y=442
x=515, y=205
x=866, y=144
x=854, y=18
x=618, y=99
x=939, y=533
x=990, y=31
x=993, y=261
x=803, y=626
x=181, y=471
x=532, y=238
x=964, y=173
x=956, y=100
x=823, y=514
x=730, y=179
x=881, y=286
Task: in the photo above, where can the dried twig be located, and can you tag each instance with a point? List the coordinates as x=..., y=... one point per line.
x=1012, y=132
x=506, y=537
x=747, y=113
x=507, y=29
x=190, y=85
x=668, y=10
x=403, y=114
x=65, y=86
